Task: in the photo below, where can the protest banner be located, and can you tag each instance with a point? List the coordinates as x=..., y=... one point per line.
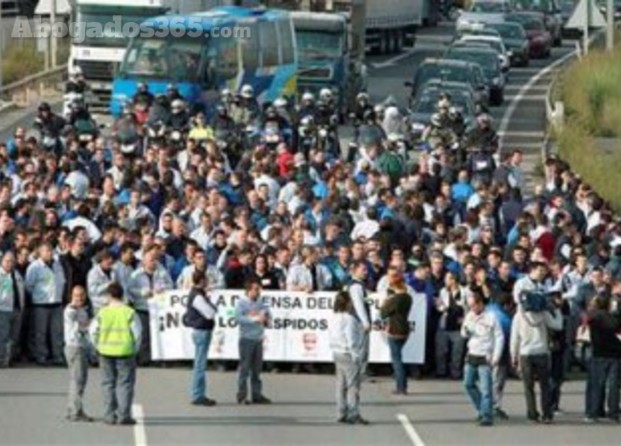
x=298, y=332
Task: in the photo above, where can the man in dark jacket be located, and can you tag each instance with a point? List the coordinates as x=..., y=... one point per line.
x=76, y=266
x=604, y=366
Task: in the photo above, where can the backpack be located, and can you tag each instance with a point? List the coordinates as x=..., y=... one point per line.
x=390, y=164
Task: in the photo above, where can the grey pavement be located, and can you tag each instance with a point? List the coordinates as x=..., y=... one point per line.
x=32, y=403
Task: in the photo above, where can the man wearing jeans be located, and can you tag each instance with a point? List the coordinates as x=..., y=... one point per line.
x=116, y=333
x=485, y=345
x=530, y=344
x=200, y=317
x=604, y=364
x=253, y=316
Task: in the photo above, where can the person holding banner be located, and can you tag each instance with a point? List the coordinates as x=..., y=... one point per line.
x=346, y=342
x=199, y=316
x=253, y=316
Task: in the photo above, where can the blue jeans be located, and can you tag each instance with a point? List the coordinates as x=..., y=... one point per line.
x=201, y=339
x=396, y=357
x=604, y=382
x=478, y=384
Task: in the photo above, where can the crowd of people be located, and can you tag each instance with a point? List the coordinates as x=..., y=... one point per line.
x=269, y=196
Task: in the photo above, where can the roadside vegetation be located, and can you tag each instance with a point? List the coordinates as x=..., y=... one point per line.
x=21, y=59
x=591, y=92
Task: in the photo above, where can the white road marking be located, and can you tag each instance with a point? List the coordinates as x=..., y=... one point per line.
x=392, y=61
x=409, y=429
x=527, y=97
x=523, y=134
x=140, y=434
x=504, y=123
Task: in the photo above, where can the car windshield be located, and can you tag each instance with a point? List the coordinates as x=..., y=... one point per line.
x=171, y=58
x=494, y=44
x=509, y=30
x=313, y=45
x=488, y=7
x=444, y=72
x=487, y=60
x=533, y=25
x=534, y=5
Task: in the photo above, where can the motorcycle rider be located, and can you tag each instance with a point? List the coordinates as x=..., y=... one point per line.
x=48, y=123
x=172, y=92
x=79, y=112
x=456, y=121
x=327, y=97
x=179, y=118
x=160, y=111
x=483, y=136
x=222, y=119
x=227, y=100
x=143, y=95
x=437, y=133
x=282, y=108
x=246, y=110
x=363, y=104
x=307, y=106
x=76, y=83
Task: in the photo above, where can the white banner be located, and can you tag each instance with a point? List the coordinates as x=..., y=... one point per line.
x=298, y=333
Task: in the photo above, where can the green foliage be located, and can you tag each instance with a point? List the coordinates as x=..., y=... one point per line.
x=591, y=91
x=20, y=61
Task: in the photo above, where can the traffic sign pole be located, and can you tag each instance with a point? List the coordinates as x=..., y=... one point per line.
x=610, y=25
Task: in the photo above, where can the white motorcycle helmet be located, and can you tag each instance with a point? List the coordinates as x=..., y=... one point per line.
x=177, y=106
x=247, y=92
x=280, y=103
x=326, y=95
x=308, y=98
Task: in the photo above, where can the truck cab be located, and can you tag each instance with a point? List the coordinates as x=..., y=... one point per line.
x=325, y=59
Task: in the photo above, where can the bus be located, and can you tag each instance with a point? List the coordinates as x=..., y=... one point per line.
x=204, y=53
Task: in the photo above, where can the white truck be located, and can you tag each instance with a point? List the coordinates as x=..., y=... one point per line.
x=98, y=54
x=390, y=24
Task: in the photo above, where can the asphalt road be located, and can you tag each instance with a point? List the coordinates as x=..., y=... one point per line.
x=32, y=403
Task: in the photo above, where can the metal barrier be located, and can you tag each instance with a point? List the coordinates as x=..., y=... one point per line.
x=34, y=88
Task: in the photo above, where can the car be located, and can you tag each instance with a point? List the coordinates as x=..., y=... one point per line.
x=515, y=41
x=483, y=11
x=425, y=104
x=487, y=59
x=433, y=69
x=552, y=18
x=494, y=42
x=477, y=29
x=539, y=38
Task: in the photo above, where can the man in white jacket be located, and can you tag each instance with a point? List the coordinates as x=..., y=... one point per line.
x=530, y=353
x=45, y=281
x=485, y=344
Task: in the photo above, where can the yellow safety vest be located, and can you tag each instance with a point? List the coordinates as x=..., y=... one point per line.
x=116, y=338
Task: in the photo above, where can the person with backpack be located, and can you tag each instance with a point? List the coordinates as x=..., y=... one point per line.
x=200, y=317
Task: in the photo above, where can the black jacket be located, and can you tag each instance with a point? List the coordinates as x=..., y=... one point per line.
x=604, y=341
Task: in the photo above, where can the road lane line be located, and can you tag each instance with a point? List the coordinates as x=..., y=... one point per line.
x=409, y=429
x=504, y=123
x=392, y=61
x=140, y=434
